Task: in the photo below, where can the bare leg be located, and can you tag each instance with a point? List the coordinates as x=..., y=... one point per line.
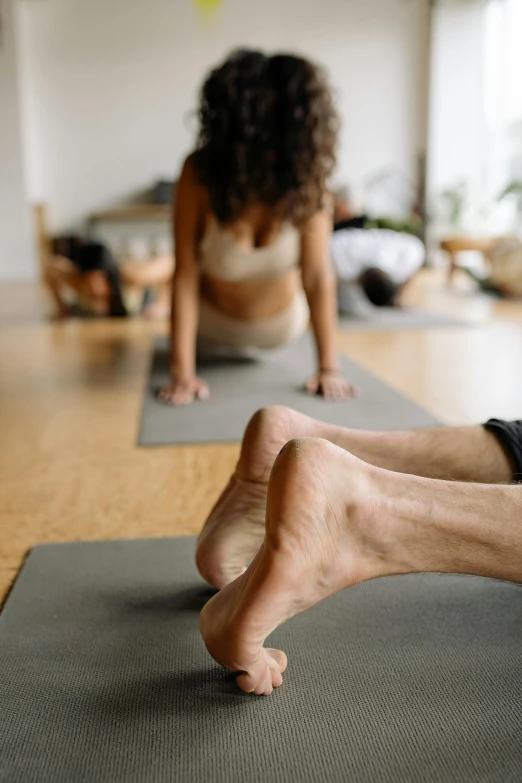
x=455, y=453
x=156, y=274
x=333, y=521
x=157, y=271
x=234, y=530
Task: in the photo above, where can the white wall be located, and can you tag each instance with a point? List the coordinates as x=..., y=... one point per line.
x=457, y=97
x=109, y=84
x=17, y=259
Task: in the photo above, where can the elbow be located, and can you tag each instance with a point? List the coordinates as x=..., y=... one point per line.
x=186, y=279
x=317, y=284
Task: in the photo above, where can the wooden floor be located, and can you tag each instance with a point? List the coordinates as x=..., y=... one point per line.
x=70, y=396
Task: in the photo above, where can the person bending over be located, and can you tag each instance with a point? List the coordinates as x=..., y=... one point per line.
x=88, y=272
x=374, y=265
x=84, y=276
x=252, y=224
x=315, y=509
x=373, y=258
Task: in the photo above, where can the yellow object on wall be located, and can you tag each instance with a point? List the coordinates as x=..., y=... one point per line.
x=207, y=5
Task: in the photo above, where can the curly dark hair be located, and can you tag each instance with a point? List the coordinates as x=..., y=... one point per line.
x=268, y=131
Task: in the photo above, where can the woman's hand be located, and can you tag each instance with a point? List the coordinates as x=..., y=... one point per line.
x=183, y=392
x=332, y=385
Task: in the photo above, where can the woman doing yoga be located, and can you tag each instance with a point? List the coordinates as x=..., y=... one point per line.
x=252, y=222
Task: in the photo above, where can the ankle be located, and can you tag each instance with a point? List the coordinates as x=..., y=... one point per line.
x=375, y=448
x=390, y=517
x=422, y=525
x=444, y=526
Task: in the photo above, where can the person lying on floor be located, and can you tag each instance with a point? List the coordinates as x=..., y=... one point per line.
x=373, y=265
x=315, y=509
x=252, y=223
x=85, y=277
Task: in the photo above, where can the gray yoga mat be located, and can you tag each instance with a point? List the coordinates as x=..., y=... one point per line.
x=357, y=313
x=239, y=388
x=394, y=319
x=104, y=677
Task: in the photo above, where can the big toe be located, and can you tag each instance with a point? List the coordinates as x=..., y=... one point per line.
x=265, y=675
x=278, y=657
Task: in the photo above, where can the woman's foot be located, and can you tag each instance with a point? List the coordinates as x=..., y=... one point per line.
x=325, y=531
x=235, y=528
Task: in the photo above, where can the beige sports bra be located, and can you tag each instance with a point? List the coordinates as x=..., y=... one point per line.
x=222, y=258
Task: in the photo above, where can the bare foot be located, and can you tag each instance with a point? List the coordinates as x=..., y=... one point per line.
x=235, y=528
x=324, y=532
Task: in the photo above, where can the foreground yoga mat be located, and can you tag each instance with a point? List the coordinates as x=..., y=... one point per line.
x=394, y=319
x=239, y=388
x=104, y=677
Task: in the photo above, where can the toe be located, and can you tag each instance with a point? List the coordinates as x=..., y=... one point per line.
x=277, y=663
x=278, y=658
x=250, y=683
x=259, y=677
x=265, y=687
x=244, y=681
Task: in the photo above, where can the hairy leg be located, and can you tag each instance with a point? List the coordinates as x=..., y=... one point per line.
x=333, y=521
x=234, y=530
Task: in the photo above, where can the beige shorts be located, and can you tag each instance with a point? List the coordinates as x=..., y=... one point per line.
x=221, y=334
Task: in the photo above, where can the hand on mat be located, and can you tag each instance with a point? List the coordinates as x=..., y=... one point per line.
x=184, y=392
x=332, y=385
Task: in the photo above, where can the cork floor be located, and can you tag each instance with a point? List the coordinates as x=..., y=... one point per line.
x=70, y=397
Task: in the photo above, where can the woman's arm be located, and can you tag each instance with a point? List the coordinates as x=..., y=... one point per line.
x=320, y=288
x=188, y=227
x=59, y=273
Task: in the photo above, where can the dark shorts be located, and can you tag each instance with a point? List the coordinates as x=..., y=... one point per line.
x=509, y=433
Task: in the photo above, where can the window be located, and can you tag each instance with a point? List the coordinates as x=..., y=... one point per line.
x=503, y=62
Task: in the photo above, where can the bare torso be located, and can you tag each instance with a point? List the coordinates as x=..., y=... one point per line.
x=252, y=269
x=253, y=300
